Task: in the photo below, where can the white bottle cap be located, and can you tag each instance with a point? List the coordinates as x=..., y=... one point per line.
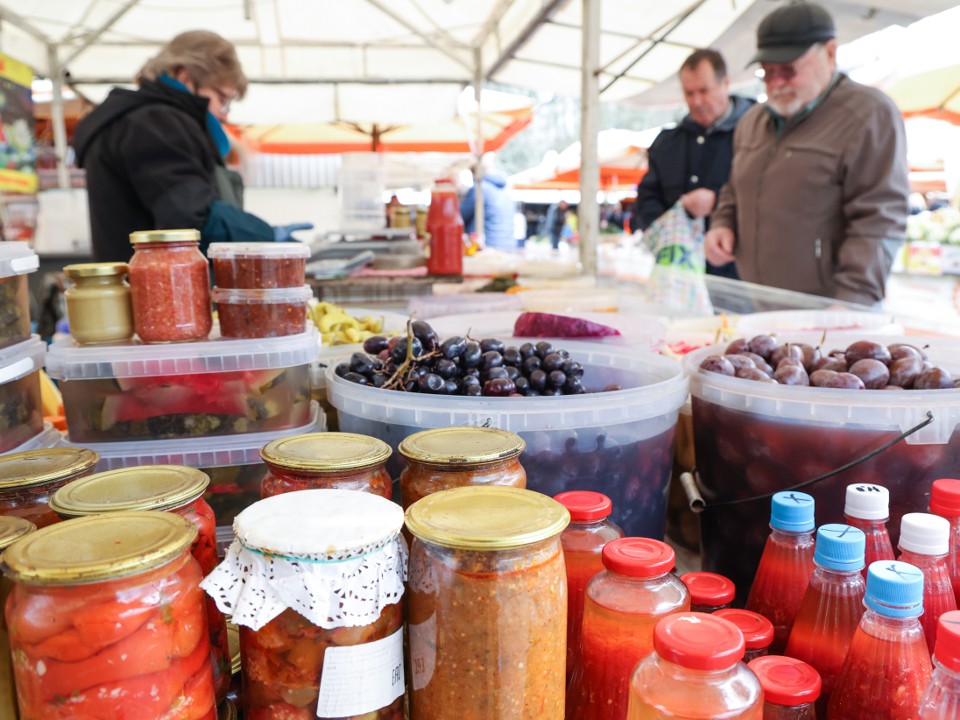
x=867, y=502
x=925, y=534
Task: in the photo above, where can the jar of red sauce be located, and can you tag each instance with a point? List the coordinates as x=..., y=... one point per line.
x=757, y=631
x=790, y=687
x=453, y=457
x=128, y=635
x=28, y=479
x=709, y=591
x=11, y=530
x=167, y=488
x=169, y=286
x=487, y=608
x=445, y=225
x=334, y=461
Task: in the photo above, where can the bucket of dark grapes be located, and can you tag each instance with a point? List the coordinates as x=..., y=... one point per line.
x=794, y=412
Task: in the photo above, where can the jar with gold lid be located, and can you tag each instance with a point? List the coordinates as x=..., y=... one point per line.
x=169, y=286
x=98, y=303
x=128, y=636
x=167, y=488
x=487, y=611
x=29, y=478
x=451, y=457
x=333, y=461
x=11, y=530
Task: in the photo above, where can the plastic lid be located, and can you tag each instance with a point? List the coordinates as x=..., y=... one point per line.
x=786, y=680
x=757, y=630
x=840, y=547
x=156, y=236
x=17, y=258
x=37, y=467
x=326, y=452
x=894, y=589
x=12, y=529
x=148, y=487
x=269, y=250
x=707, y=588
x=698, y=641
x=460, y=446
x=85, y=270
x=925, y=534
x=638, y=557
x=486, y=518
x=338, y=523
x=21, y=359
x=947, y=648
x=945, y=498
x=67, y=360
x=867, y=502
x=274, y=296
x=792, y=511
x=585, y=505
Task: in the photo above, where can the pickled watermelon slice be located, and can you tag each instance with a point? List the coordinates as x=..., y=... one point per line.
x=537, y=324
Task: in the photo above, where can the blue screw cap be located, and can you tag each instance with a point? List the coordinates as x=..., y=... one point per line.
x=894, y=589
x=840, y=547
x=792, y=511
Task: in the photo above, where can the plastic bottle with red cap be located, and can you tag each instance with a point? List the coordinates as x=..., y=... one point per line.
x=941, y=699
x=757, y=631
x=867, y=507
x=786, y=564
x=945, y=502
x=695, y=671
x=925, y=543
x=445, y=226
x=589, y=530
x=621, y=607
x=888, y=666
x=709, y=591
x=790, y=687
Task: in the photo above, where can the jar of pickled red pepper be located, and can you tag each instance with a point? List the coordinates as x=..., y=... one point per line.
x=28, y=479
x=453, y=457
x=317, y=461
x=315, y=579
x=790, y=687
x=709, y=591
x=487, y=612
x=128, y=635
x=11, y=530
x=169, y=286
x=757, y=631
x=168, y=488
x=98, y=303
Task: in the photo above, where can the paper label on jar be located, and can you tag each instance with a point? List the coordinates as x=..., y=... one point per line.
x=359, y=679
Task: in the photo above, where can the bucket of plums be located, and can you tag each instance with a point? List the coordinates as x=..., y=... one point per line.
x=593, y=417
x=771, y=413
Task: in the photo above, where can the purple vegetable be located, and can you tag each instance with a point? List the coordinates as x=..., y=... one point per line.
x=535, y=324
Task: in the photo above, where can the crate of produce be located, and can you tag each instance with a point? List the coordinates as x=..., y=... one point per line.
x=21, y=410
x=17, y=260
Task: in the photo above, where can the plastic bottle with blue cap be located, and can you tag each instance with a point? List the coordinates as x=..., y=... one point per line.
x=941, y=699
x=785, y=565
x=888, y=666
x=867, y=507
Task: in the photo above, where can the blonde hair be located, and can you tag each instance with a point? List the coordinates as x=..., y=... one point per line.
x=208, y=59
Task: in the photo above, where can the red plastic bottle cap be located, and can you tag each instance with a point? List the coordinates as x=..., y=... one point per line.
x=757, y=630
x=698, y=641
x=785, y=680
x=638, y=557
x=947, y=648
x=585, y=505
x=708, y=588
x=945, y=498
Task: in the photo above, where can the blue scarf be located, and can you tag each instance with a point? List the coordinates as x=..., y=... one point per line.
x=213, y=125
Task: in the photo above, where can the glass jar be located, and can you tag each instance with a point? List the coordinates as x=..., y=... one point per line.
x=332, y=461
x=330, y=644
x=128, y=638
x=11, y=530
x=445, y=226
x=790, y=687
x=695, y=672
x=453, y=457
x=169, y=286
x=757, y=631
x=28, y=479
x=941, y=699
x=98, y=303
x=487, y=611
x=709, y=591
x=167, y=488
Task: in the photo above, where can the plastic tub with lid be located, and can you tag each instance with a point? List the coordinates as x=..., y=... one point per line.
x=618, y=442
x=47, y=438
x=258, y=265
x=17, y=260
x=262, y=313
x=213, y=387
x=21, y=411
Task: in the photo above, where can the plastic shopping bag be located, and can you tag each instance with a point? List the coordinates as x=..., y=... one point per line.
x=677, y=278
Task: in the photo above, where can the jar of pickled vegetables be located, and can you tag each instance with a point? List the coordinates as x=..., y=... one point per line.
x=315, y=580
x=487, y=611
x=11, y=530
x=28, y=479
x=709, y=591
x=332, y=461
x=107, y=620
x=169, y=286
x=790, y=687
x=98, y=303
x=453, y=457
x=757, y=631
x=167, y=488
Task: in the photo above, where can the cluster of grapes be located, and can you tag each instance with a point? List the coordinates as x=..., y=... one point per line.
x=421, y=363
x=863, y=365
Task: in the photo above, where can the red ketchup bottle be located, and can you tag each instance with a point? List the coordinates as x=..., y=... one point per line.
x=622, y=605
x=832, y=606
x=790, y=687
x=709, y=591
x=446, y=230
x=867, y=507
x=941, y=699
x=945, y=502
x=589, y=530
x=925, y=542
x=785, y=566
x=757, y=631
x=887, y=666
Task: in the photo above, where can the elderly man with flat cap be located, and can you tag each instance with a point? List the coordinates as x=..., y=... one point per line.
x=817, y=196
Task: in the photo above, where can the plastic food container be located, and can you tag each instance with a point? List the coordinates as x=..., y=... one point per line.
x=17, y=260
x=619, y=443
x=819, y=321
x=47, y=438
x=258, y=265
x=216, y=387
x=21, y=412
x=262, y=313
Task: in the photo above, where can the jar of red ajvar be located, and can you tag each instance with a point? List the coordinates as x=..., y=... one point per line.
x=169, y=286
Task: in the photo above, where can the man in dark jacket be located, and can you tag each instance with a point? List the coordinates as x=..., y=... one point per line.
x=691, y=162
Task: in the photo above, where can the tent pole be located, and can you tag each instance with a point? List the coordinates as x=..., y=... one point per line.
x=478, y=150
x=588, y=212
x=57, y=117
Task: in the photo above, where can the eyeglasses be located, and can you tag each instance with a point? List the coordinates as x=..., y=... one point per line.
x=786, y=71
x=225, y=98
